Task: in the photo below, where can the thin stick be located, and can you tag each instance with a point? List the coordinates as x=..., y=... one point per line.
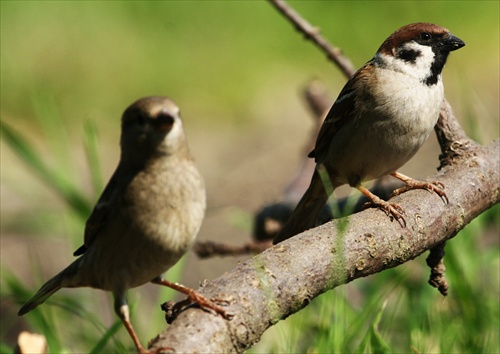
x=313, y=34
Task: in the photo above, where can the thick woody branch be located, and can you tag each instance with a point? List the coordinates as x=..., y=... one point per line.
x=283, y=279
x=451, y=137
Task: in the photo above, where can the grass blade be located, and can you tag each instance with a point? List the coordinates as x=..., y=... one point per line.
x=51, y=177
x=379, y=345
x=106, y=337
x=90, y=139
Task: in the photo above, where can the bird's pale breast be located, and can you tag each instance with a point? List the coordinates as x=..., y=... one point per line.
x=388, y=131
x=157, y=224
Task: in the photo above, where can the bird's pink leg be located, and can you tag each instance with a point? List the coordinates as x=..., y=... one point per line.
x=390, y=209
x=436, y=187
x=193, y=296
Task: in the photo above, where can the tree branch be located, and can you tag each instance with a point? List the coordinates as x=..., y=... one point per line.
x=283, y=279
x=451, y=137
x=312, y=33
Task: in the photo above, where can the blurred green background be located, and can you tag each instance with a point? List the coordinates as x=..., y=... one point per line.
x=236, y=69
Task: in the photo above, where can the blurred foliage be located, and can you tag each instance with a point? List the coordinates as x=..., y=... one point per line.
x=68, y=69
x=213, y=57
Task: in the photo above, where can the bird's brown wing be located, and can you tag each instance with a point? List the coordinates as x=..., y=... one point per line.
x=341, y=112
x=100, y=214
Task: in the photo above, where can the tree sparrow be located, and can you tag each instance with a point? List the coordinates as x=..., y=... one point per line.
x=146, y=218
x=380, y=120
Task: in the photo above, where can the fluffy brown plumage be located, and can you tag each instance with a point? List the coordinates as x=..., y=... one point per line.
x=381, y=118
x=147, y=217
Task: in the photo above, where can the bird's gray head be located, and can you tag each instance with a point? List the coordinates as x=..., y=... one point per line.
x=151, y=127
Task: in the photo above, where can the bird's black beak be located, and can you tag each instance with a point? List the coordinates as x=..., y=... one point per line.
x=453, y=43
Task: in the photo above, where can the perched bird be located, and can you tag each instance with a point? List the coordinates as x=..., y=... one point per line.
x=147, y=217
x=382, y=116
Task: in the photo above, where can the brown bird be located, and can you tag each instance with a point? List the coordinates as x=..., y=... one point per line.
x=380, y=120
x=147, y=217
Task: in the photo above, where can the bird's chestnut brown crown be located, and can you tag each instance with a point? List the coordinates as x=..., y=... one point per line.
x=422, y=33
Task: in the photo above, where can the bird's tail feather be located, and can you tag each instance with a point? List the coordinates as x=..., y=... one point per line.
x=66, y=278
x=306, y=213
x=43, y=294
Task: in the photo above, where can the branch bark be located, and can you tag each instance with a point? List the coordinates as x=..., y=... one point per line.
x=283, y=279
x=333, y=53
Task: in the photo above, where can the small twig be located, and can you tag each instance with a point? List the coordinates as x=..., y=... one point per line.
x=270, y=218
x=209, y=249
x=312, y=33
x=435, y=262
x=318, y=101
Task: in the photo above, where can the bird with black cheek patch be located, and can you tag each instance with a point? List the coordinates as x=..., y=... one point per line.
x=381, y=118
x=147, y=217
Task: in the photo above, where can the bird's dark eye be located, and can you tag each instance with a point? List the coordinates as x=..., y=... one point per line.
x=164, y=121
x=133, y=117
x=140, y=118
x=425, y=36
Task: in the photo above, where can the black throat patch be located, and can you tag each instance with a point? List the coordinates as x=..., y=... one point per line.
x=437, y=66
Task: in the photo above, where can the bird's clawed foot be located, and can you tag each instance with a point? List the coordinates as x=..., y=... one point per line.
x=391, y=209
x=172, y=310
x=196, y=297
x=434, y=186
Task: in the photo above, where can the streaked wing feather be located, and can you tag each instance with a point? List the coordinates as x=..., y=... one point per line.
x=340, y=112
x=99, y=216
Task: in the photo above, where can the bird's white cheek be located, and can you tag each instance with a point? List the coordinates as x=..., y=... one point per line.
x=420, y=69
